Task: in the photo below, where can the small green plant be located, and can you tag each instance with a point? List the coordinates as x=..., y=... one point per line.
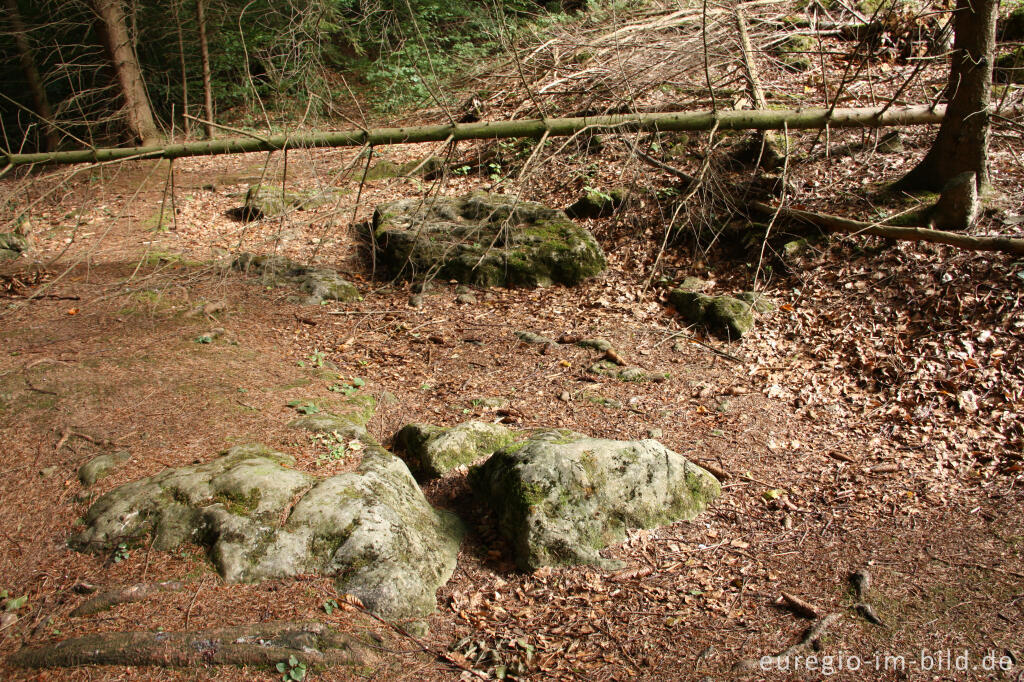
x=333, y=447
x=347, y=389
x=121, y=553
x=329, y=606
x=293, y=669
x=462, y=170
x=302, y=407
x=316, y=359
x=595, y=193
x=495, y=171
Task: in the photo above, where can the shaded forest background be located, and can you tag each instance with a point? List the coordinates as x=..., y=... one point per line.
x=275, y=61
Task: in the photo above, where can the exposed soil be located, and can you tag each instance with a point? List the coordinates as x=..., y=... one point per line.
x=872, y=421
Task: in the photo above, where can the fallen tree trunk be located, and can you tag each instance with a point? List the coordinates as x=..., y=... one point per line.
x=260, y=644
x=791, y=119
x=833, y=223
x=124, y=595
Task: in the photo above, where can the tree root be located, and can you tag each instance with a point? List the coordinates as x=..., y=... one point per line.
x=833, y=223
x=261, y=644
x=123, y=595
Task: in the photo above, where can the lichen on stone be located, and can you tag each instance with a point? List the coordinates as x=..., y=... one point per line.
x=560, y=498
x=432, y=451
x=372, y=528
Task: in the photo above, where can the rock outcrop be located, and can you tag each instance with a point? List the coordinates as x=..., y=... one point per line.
x=372, y=528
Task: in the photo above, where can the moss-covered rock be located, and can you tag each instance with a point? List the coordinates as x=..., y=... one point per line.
x=728, y=314
x=266, y=202
x=320, y=284
x=1009, y=67
x=372, y=528
x=725, y=316
x=796, y=51
x=12, y=241
x=12, y=245
x=561, y=497
x=101, y=466
x=610, y=369
x=1011, y=27
x=598, y=344
x=597, y=204
x=427, y=167
x=533, y=338
x=759, y=302
x=433, y=451
x=485, y=240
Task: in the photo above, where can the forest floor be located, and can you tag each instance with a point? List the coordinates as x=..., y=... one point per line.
x=871, y=421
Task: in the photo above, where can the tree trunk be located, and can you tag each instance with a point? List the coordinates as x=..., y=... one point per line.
x=114, y=30
x=768, y=119
x=962, y=143
x=204, y=54
x=184, y=69
x=40, y=102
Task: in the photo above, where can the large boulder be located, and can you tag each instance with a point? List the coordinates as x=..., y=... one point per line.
x=432, y=451
x=486, y=240
x=561, y=497
x=371, y=528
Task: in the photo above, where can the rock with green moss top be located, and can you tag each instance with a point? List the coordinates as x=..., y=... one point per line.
x=690, y=304
x=692, y=284
x=348, y=419
x=759, y=302
x=176, y=505
x=372, y=528
x=428, y=167
x=560, y=498
x=1011, y=27
x=101, y=466
x=796, y=51
x=729, y=316
x=486, y=240
x=601, y=345
x=610, y=369
x=433, y=451
x=319, y=283
x=266, y=202
x=12, y=245
x=1009, y=67
x=725, y=316
x=533, y=338
x=12, y=241
x=598, y=204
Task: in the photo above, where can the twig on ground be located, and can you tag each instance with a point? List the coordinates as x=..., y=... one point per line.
x=780, y=659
